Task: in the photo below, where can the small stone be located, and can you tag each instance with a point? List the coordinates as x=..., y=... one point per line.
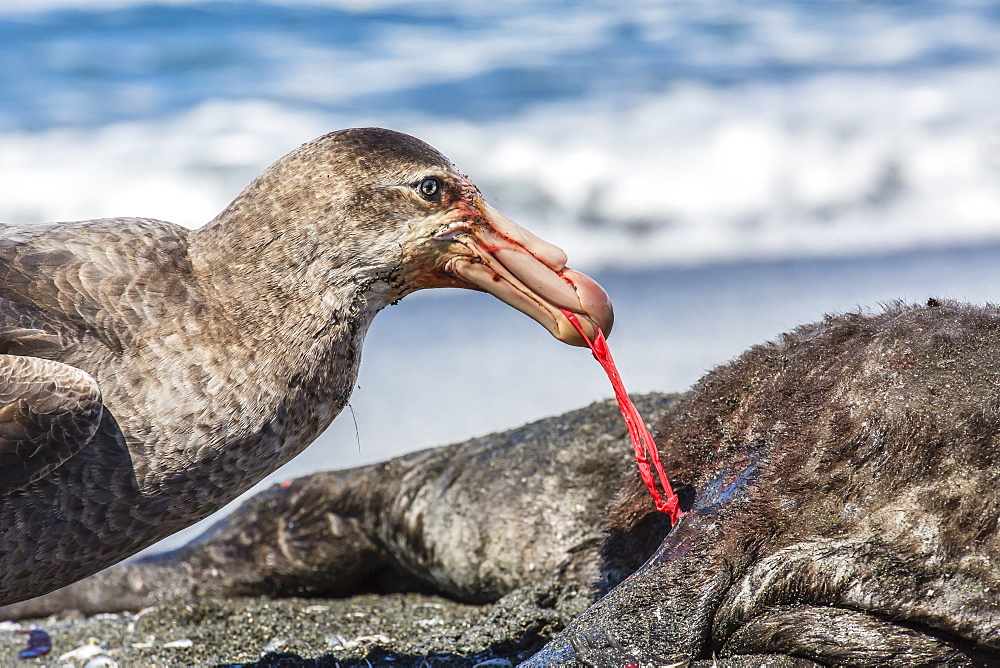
x=182, y=642
x=82, y=653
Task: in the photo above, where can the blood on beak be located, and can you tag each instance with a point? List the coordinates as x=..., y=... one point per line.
x=530, y=274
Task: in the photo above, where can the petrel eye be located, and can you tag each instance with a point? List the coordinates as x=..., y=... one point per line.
x=429, y=188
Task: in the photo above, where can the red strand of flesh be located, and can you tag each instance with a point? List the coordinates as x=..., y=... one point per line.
x=646, y=454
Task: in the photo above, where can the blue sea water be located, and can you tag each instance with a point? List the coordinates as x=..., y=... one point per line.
x=728, y=170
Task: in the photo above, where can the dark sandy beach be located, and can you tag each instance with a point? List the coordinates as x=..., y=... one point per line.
x=400, y=630
x=397, y=630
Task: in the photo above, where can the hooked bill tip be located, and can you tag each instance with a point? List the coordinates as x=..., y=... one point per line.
x=595, y=303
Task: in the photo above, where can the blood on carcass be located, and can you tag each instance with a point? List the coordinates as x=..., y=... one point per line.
x=646, y=455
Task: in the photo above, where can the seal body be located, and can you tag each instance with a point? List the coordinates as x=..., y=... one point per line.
x=842, y=505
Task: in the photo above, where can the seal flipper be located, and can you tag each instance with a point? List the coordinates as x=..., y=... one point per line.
x=836, y=636
x=863, y=598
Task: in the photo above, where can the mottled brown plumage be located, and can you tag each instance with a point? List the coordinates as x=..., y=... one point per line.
x=219, y=353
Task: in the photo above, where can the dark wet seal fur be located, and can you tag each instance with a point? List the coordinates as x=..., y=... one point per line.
x=841, y=493
x=845, y=505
